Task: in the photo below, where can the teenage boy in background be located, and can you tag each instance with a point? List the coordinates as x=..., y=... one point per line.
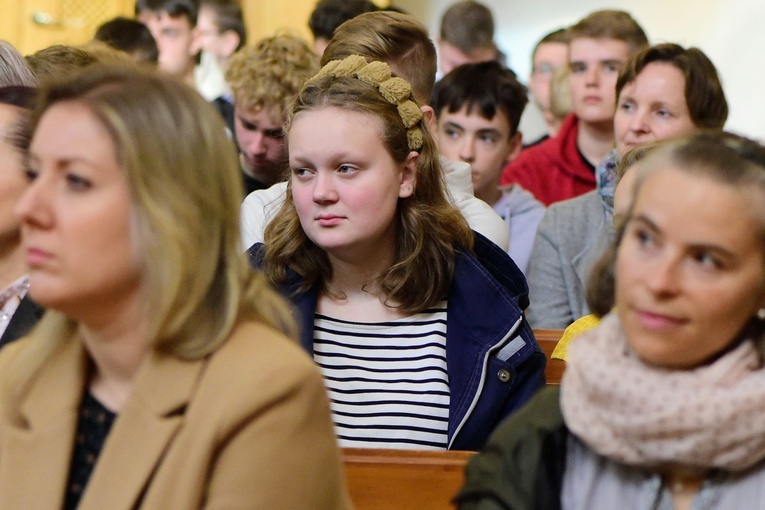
x=549, y=55
x=264, y=78
x=478, y=108
x=564, y=166
x=172, y=23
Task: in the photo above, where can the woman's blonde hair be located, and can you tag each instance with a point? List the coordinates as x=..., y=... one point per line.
x=185, y=186
x=429, y=229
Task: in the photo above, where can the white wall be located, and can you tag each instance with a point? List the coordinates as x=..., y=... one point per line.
x=731, y=33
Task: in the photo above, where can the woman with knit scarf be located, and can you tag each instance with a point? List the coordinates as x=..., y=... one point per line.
x=662, y=406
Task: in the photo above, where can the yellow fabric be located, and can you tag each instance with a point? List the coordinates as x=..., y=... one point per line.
x=578, y=327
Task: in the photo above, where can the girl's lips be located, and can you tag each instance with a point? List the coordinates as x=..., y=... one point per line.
x=328, y=220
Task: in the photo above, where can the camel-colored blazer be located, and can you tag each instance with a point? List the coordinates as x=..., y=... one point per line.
x=246, y=428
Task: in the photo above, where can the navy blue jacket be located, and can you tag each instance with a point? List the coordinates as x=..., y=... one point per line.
x=492, y=359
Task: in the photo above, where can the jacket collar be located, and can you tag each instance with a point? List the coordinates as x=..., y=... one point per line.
x=44, y=433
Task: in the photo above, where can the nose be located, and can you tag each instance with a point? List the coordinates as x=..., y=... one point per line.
x=467, y=150
x=663, y=277
x=256, y=143
x=593, y=76
x=324, y=191
x=32, y=208
x=638, y=122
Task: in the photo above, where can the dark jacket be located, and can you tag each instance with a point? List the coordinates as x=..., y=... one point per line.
x=521, y=467
x=492, y=359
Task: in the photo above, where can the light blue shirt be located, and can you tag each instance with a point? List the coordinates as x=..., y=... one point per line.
x=593, y=482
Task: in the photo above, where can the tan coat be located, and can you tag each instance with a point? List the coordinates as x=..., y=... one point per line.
x=246, y=428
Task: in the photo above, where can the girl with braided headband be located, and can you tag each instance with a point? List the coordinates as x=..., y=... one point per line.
x=415, y=320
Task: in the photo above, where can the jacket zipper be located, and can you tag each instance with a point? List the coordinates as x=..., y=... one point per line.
x=484, y=368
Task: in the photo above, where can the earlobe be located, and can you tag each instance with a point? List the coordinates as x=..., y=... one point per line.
x=409, y=175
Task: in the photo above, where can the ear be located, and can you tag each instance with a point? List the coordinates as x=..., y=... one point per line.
x=408, y=179
x=429, y=118
x=229, y=42
x=196, y=42
x=514, y=147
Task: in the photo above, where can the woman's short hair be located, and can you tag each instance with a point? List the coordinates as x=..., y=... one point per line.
x=185, y=187
x=430, y=229
x=723, y=157
x=704, y=93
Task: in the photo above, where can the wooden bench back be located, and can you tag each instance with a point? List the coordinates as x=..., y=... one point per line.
x=403, y=479
x=547, y=340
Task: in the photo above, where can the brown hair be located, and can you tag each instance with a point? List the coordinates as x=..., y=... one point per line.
x=611, y=24
x=723, y=157
x=429, y=228
x=468, y=26
x=704, y=94
x=59, y=61
x=397, y=39
x=560, y=36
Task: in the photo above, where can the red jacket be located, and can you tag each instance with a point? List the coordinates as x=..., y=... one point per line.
x=552, y=170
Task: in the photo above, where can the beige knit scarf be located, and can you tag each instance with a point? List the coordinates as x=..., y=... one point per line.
x=709, y=417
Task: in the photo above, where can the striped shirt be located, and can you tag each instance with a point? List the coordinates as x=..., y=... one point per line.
x=387, y=381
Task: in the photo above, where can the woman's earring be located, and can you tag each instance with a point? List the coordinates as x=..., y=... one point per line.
x=761, y=314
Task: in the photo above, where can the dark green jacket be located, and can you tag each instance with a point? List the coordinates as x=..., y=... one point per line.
x=521, y=467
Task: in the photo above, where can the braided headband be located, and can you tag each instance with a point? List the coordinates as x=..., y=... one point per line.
x=395, y=90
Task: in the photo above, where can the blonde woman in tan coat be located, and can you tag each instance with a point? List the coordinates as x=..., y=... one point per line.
x=162, y=376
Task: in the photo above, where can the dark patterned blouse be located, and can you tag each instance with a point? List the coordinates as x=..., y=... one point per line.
x=92, y=428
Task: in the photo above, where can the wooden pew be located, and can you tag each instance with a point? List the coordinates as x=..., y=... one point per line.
x=547, y=340
x=403, y=479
